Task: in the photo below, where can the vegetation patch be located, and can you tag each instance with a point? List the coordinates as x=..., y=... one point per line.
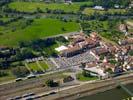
x=33, y=6
x=44, y=65
x=34, y=67
x=24, y=30
x=91, y=11
x=107, y=29
x=85, y=76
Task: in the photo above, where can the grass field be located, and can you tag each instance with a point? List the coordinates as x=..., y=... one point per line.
x=43, y=65
x=34, y=67
x=90, y=11
x=40, y=28
x=32, y=6
x=80, y=77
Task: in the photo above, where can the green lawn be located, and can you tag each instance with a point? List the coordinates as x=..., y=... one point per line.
x=34, y=67
x=32, y=6
x=40, y=28
x=80, y=77
x=90, y=11
x=43, y=65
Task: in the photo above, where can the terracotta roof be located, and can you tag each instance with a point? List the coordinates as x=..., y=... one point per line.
x=72, y=49
x=127, y=41
x=89, y=65
x=108, y=65
x=99, y=51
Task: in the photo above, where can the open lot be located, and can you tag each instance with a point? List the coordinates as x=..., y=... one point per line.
x=32, y=6
x=18, y=31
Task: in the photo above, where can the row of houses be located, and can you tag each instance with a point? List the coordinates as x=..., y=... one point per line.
x=80, y=44
x=105, y=69
x=98, y=48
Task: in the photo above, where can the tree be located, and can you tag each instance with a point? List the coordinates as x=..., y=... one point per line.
x=24, y=53
x=39, y=10
x=29, y=21
x=63, y=29
x=51, y=83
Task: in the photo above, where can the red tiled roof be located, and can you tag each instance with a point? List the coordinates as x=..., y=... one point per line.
x=99, y=51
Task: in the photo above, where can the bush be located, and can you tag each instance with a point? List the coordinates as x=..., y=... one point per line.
x=51, y=83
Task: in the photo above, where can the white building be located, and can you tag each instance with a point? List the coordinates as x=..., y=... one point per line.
x=98, y=8
x=97, y=71
x=61, y=48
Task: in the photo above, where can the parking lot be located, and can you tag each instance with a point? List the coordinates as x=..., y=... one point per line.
x=74, y=60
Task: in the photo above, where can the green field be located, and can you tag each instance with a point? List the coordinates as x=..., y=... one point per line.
x=90, y=11
x=32, y=6
x=18, y=31
x=34, y=67
x=80, y=77
x=43, y=65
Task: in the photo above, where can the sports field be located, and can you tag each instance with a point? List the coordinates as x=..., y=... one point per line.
x=14, y=32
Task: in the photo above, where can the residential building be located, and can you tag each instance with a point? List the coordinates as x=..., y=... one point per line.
x=96, y=52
